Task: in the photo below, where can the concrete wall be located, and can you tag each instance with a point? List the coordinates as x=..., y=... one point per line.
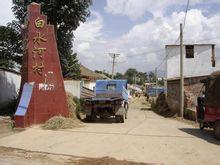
x=200, y=65
x=73, y=87
x=9, y=86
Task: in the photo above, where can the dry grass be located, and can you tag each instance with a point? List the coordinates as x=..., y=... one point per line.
x=59, y=122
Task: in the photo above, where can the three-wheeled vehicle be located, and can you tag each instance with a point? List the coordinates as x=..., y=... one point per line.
x=208, y=107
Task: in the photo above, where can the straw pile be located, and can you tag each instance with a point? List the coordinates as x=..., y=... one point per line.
x=60, y=122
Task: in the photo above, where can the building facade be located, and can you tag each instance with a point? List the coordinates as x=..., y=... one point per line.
x=199, y=61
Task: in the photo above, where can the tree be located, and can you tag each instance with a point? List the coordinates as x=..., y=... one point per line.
x=142, y=78
x=152, y=76
x=72, y=67
x=119, y=76
x=131, y=75
x=66, y=17
x=10, y=46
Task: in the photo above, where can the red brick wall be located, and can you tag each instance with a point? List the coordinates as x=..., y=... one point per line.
x=192, y=88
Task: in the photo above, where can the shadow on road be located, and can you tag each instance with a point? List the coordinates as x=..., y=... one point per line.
x=206, y=134
x=102, y=121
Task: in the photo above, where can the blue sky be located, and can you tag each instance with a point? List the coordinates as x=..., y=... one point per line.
x=115, y=25
x=136, y=28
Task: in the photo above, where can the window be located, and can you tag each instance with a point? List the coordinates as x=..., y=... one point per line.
x=189, y=51
x=111, y=87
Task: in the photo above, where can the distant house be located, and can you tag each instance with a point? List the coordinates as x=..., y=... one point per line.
x=199, y=62
x=89, y=77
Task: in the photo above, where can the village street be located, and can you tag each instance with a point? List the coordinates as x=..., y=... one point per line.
x=144, y=137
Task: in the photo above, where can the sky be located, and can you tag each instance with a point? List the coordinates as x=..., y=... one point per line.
x=138, y=30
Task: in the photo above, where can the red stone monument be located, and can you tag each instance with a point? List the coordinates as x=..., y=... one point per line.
x=42, y=94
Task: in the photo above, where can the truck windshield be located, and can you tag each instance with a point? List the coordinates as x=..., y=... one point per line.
x=111, y=87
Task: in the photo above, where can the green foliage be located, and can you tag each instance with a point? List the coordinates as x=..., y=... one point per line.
x=119, y=76
x=161, y=82
x=66, y=17
x=142, y=78
x=152, y=76
x=71, y=69
x=131, y=75
x=10, y=45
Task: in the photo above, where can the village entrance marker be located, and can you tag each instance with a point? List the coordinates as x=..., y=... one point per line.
x=42, y=93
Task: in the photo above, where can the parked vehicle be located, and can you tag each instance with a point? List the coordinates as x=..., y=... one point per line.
x=111, y=99
x=152, y=90
x=208, y=109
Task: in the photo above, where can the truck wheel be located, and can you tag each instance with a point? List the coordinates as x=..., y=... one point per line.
x=122, y=118
x=126, y=110
x=217, y=130
x=201, y=126
x=117, y=118
x=88, y=118
x=126, y=106
x=93, y=117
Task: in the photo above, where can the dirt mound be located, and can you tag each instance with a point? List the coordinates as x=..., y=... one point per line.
x=161, y=106
x=59, y=122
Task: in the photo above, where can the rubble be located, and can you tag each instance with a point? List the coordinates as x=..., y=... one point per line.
x=161, y=106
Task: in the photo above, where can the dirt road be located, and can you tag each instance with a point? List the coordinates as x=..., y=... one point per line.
x=144, y=137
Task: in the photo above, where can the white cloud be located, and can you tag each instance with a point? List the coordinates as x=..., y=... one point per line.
x=136, y=8
x=82, y=47
x=6, y=14
x=152, y=35
x=91, y=30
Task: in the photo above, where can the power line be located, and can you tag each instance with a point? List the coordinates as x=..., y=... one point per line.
x=208, y=39
x=144, y=53
x=187, y=7
x=184, y=23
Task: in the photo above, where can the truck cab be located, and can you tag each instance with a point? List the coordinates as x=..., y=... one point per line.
x=111, y=99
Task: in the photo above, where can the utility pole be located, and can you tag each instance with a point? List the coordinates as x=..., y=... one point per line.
x=156, y=82
x=113, y=56
x=181, y=73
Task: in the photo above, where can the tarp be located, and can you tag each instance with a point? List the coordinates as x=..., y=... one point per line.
x=212, y=95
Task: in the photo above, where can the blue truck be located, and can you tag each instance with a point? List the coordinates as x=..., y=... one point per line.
x=111, y=99
x=151, y=91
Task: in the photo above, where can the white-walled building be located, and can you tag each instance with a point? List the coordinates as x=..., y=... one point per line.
x=9, y=85
x=199, y=61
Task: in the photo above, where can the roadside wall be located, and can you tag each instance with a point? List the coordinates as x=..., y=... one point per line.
x=73, y=87
x=9, y=85
x=192, y=88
